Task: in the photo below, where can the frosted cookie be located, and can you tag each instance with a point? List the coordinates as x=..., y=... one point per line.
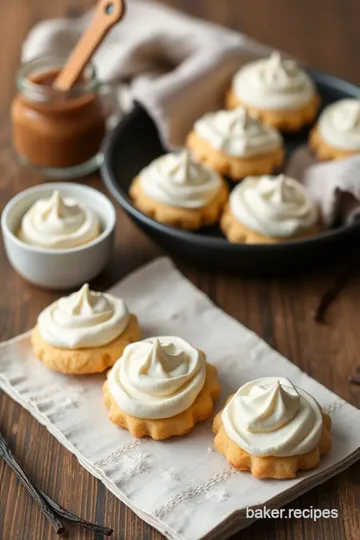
x=160, y=387
x=277, y=91
x=269, y=209
x=337, y=132
x=235, y=144
x=180, y=192
x=272, y=429
x=59, y=223
x=85, y=332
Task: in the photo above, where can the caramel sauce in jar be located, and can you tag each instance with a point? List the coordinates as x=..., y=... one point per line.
x=59, y=133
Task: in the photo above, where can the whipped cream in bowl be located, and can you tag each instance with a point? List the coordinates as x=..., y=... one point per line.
x=274, y=206
x=237, y=133
x=272, y=417
x=59, y=223
x=339, y=124
x=66, y=238
x=273, y=83
x=158, y=377
x=177, y=179
x=83, y=319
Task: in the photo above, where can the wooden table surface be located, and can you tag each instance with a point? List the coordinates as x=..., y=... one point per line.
x=325, y=34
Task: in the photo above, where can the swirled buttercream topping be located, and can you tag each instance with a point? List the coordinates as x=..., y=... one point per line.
x=339, y=124
x=273, y=83
x=179, y=180
x=274, y=206
x=157, y=377
x=237, y=133
x=272, y=417
x=83, y=319
x=59, y=223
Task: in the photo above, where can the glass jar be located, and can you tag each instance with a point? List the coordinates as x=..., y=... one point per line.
x=59, y=133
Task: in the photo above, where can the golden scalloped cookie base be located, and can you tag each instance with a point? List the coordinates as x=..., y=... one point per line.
x=164, y=428
x=182, y=218
x=279, y=468
x=324, y=151
x=283, y=120
x=234, y=167
x=85, y=360
x=237, y=233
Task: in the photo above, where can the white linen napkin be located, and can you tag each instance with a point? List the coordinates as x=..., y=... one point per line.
x=334, y=185
x=181, y=486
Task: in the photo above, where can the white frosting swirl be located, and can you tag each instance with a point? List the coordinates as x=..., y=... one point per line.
x=273, y=83
x=272, y=417
x=157, y=377
x=83, y=319
x=179, y=180
x=339, y=124
x=59, y=223
x=237, y=133
x=274, y=206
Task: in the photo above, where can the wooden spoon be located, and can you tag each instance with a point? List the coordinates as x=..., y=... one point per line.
x=108, y=13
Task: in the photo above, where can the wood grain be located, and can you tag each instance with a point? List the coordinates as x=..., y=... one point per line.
x=325, y=35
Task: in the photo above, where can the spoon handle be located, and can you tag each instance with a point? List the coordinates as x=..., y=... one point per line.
x=107, y=13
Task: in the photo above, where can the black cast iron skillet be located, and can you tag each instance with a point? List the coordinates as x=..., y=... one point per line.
x=135, y=142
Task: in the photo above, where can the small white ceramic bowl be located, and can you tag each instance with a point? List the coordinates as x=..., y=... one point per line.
x=65, y=268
